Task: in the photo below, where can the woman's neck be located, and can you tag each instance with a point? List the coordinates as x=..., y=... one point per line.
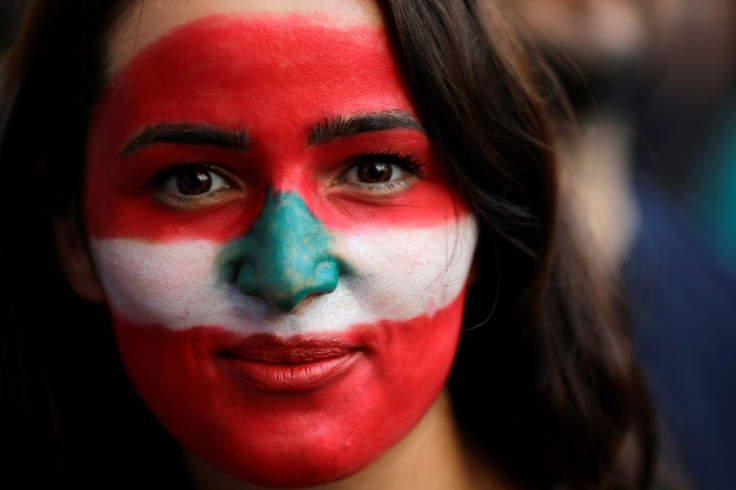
x=433, y=455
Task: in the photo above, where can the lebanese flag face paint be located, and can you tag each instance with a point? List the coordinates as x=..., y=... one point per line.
x=284, y=262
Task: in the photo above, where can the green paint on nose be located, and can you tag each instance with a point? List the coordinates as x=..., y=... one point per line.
x=284, y=258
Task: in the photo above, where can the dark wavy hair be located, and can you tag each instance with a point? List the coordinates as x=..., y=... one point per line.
x=544, y=381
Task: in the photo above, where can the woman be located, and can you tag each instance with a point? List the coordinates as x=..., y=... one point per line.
x=280, y=207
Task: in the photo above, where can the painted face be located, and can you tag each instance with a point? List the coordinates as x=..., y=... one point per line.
x=284, y=262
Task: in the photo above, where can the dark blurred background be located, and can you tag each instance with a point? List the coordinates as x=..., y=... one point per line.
x=10, y=13
x=664, y=73
x=652, y=164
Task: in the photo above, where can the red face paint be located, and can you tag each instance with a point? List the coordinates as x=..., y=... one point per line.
x=275, y=80
x=274, y=408
x=319, y=429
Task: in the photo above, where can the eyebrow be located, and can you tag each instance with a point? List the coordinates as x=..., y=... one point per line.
x=338, y=127
x=188, y=133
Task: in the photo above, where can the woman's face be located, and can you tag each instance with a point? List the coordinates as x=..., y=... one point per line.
x=284, y=262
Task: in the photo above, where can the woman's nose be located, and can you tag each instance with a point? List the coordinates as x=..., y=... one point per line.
x=285, y=257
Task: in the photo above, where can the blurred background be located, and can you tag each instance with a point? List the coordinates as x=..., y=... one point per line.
x=10, y=13
x=652, y=165
x=665, y=71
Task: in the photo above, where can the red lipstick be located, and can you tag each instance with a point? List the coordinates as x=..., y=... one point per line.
x=297, y=364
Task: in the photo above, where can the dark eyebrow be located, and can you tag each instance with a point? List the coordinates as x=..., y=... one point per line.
x=337, y=127
x=188, y=133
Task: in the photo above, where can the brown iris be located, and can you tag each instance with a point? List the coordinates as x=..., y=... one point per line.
x=193, y=182
x=373, y=173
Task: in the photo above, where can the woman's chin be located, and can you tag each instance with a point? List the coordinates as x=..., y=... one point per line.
x=286, y=468
x=291, y=412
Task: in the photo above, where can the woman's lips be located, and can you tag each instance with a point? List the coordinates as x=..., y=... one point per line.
x=276, y=365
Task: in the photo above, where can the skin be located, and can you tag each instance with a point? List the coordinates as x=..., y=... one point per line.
x=294, y=324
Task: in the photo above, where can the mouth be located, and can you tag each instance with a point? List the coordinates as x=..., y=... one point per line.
x=295, y=365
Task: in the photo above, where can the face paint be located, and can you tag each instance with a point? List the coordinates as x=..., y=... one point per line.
x=284, y=263
x=284, y=258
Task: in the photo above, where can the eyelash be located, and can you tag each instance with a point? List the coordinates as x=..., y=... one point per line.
x=158, y=183
x=406, y=162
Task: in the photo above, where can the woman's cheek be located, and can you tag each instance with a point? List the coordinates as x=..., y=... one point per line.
x=381, y=272
x=141, y=217
x=292, y=439
x=291, y=336
x=184, y=331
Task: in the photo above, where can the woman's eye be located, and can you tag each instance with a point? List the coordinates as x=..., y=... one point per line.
x=381, y=174
x=374, y=172
x=192, y=186
x=191, y=182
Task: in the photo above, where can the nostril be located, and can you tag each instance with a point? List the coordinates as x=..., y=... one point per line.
x=285, y=258
x=286, y=304
x=288, y=301
x=310, y=297
x=302, y=303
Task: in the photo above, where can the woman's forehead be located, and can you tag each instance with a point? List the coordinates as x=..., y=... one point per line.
x=270, y=76
x=146, y=21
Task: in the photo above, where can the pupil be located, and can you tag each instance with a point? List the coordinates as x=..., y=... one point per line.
x=374, y=172
x=193, y=182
